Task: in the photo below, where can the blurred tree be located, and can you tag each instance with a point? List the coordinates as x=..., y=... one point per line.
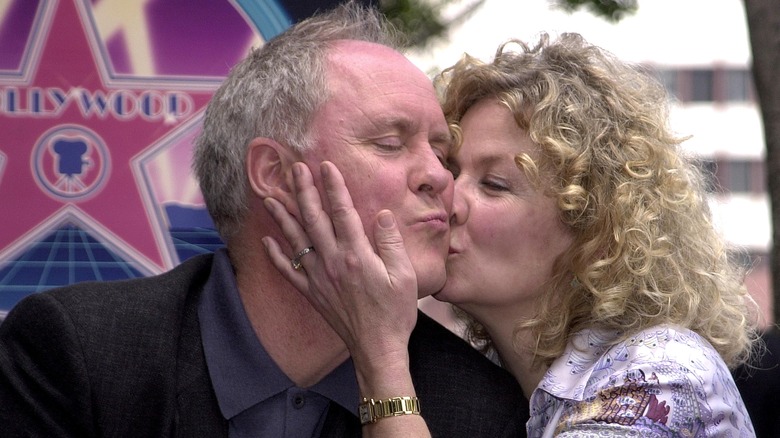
x=423, y=21
x=763, y=18
x=611, y=10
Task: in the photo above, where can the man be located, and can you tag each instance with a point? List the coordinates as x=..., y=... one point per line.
x=224, y=345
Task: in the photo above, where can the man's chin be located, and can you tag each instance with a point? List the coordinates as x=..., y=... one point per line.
x=431, y=287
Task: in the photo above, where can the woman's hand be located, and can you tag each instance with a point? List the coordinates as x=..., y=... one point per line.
x=369, y=297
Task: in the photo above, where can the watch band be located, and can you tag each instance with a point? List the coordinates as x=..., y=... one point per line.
x=371, y=410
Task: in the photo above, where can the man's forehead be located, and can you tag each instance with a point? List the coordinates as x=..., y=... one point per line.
x=356, y=59
x=357, y=49
x=377, y=81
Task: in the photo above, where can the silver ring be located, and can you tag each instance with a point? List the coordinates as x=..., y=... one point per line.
x=296, y=261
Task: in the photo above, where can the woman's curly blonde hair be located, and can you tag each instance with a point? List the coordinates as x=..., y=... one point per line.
x=645, y=251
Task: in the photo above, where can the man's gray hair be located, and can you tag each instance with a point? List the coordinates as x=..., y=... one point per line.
x=273, y=93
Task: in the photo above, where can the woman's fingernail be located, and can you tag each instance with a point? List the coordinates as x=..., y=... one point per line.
x=386, y=219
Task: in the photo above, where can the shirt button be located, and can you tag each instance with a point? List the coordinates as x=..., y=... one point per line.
x=299, y=401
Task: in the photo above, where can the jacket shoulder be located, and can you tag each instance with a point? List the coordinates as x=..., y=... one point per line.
x=106, y=346
x=462, y=393
x=140, y=298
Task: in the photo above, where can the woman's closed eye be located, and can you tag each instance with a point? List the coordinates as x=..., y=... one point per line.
x=495, y=184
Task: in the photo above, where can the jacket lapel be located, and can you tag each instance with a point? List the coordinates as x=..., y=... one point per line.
x=197, y=412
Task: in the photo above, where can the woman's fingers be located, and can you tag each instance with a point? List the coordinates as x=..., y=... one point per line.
x=390, y=247
x=295, y=236
x=284, y=266
x=346, y=221
x=315, y=221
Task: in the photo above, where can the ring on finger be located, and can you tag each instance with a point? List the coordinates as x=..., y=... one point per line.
x=296, y=261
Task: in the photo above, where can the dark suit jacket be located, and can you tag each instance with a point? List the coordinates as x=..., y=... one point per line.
x=125, y=359
x=759, y=385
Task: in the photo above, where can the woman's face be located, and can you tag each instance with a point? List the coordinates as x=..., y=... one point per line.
x=505, y=235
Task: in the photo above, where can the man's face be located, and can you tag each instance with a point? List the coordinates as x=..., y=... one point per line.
x=383, y=128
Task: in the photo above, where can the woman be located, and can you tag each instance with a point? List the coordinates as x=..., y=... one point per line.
x=582, y=252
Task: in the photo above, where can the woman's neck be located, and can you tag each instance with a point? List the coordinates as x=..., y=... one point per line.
x=516, y=352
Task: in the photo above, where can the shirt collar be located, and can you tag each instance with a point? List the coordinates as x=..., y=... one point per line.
x=569, y=374
x=340, y=386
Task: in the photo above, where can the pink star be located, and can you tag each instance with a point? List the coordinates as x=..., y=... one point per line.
x=74, y=143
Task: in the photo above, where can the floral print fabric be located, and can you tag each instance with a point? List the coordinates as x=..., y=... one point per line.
x=664, y=382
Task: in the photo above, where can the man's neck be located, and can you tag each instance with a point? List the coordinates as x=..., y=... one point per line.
x=296, y=337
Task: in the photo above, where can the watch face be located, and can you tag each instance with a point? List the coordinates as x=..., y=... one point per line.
x=365, y=413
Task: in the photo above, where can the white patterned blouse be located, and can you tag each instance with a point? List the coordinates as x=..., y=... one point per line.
x=664, y=382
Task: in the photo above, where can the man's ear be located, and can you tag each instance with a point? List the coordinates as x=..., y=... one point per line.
x=268, y=168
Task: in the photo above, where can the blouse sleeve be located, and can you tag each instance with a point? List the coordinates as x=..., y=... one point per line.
x=682, y=395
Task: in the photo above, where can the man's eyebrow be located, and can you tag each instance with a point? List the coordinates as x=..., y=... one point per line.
x=399, y=122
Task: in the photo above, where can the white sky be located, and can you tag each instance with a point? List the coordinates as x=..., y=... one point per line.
x=676, y=32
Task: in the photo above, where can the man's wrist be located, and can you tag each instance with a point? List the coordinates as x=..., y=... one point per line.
x=371, y=410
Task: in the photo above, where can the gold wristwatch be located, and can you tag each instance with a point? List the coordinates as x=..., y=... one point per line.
x=371, y=410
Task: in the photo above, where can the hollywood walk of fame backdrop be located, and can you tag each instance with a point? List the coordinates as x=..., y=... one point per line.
x=100, y=101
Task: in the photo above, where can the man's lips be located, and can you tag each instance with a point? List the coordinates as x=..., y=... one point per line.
x=437, y=221
x=435, y=217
